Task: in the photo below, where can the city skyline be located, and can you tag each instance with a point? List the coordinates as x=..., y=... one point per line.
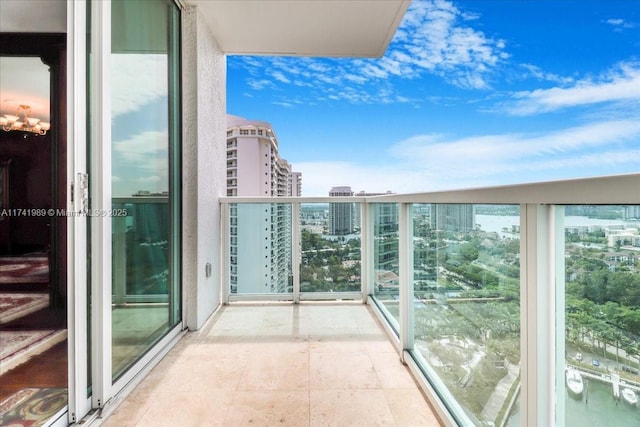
x=468, y=94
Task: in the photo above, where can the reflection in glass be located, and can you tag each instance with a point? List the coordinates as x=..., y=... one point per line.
x=384, y=217
x=144, y=182
x=263, y=267
x=330, y=255
x=467, y=307
x=602, y=315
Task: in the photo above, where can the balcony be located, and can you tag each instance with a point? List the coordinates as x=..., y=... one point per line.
x=497, y=300
x=293, y=365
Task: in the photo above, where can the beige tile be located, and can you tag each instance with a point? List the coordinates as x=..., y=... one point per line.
x=390, y=371
x=278, y=407
x=186, y=409
x=277, y=367
x=129, y=412
x=409, y=408
x=328, y=343
x=342, y=370
x=349, y=408
x=260, y=365
x=380, y=344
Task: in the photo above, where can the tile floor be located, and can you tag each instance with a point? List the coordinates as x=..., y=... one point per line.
x=287, y=365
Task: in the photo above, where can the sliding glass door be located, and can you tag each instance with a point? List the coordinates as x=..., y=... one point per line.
x=144, y=177
x=129, y=238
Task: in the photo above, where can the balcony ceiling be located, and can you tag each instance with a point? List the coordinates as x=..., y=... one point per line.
x=331, y=28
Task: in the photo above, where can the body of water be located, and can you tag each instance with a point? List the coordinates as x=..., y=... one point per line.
x=596, y=408
x=498, y=223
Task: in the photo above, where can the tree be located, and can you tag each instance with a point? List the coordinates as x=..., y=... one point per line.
x=469, y=251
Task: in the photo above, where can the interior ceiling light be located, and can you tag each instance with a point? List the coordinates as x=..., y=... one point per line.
x=23, y=121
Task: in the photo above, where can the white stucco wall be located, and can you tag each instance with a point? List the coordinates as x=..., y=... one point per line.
x=204, y=174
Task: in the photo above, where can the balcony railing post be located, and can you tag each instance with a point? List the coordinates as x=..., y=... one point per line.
x=538, y=310
x=296, y=248
x=225, y=280
x=366, y=251
x=557, y=230
x=405, y=270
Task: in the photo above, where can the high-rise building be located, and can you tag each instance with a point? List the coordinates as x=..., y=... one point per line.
x=341, y=218
x=255, y=168
x=452, y=217
x=385, y=232
x=632, y=212
x=357, y=213
x=295, y=184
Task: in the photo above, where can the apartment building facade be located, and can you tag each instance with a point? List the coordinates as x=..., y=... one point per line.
x=255, y=168
x=341, y=215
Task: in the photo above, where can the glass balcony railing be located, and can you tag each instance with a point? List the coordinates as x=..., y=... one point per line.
x=512, y=306
x=330, y=257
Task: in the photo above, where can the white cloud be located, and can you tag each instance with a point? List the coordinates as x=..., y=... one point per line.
x=433, y=162
x=279, y=76
x=620, y=84
x=142, y=147
x=434, y=38
x=537, y=73
x=150, y=179
x=260, y=84
x=620, y=24
x=137, y=81
x=140, y=163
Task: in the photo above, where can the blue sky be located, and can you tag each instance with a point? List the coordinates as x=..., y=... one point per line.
x=469, y=93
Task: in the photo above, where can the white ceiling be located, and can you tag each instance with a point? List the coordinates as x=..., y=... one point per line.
x=26, y=80
x=332, y=28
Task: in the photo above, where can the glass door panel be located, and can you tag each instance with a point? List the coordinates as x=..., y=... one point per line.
x=144, y=177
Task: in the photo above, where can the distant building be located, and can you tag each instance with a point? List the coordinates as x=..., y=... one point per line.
x=385, y=232
x=632, y=212
x=357, y=212
x=295, y=184
x=255, y=168
x=341, y=218
x=452, y=217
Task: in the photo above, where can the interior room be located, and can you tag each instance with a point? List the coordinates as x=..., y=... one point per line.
x=33, y=320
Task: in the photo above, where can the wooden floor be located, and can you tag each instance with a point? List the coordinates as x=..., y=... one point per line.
x=48, y=369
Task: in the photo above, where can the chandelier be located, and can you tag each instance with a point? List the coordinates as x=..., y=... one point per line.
x=23, y=121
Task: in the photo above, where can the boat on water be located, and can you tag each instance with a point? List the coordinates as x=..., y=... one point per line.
x=574, y=381
x=629, y=396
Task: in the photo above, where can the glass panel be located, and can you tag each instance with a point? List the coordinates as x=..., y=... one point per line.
x=145, y=178
x=260, y=248
x=602, y=315
x=467, y=306
x=384, y=217
x=330, y=252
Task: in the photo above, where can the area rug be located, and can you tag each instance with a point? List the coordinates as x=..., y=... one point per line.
x=27, y=269
x=16, y=347
x=16, y=305
x=31, y=407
